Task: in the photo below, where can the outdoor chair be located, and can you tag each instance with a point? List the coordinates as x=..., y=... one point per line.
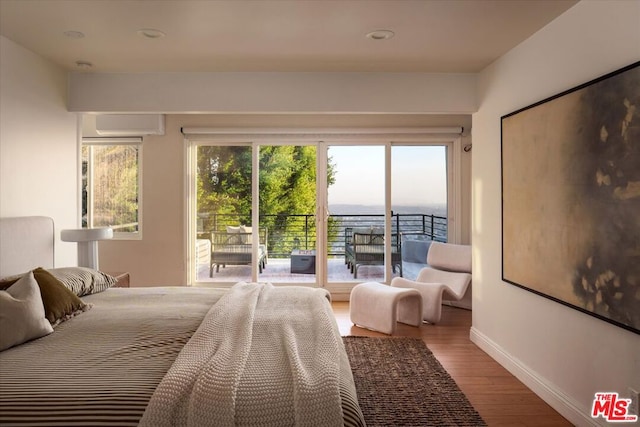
x=448, y=274
x=366, y=247
x=233, y=247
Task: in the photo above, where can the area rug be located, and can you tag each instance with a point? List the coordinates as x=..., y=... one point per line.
x=400, y=383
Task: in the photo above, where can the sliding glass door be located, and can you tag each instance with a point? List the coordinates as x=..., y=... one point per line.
x=366, y=231
x=287, y=212
x=418, y=202
x=356, y=222
x=223, y=213
x=319, y=213
x=280, y=244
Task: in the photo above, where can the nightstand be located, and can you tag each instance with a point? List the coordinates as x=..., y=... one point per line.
x=123, y=279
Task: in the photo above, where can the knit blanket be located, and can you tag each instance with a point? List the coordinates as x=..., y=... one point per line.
x=263, y=355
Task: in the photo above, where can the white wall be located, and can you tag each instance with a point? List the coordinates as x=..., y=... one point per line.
x=562, y=354
x=38, y=143
x=395, y=93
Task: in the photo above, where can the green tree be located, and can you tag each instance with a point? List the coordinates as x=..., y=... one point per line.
x=224, y=181
x=114, y=185
x=287, y=182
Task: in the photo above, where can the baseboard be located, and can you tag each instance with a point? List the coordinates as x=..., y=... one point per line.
x=565, y=405
x=340, y=296
x=457, y=304
x=339, y=291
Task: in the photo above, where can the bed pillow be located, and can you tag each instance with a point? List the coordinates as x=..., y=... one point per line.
x=6, y=282
x=60, y=303
x=247, y=234
x=22, y=316
x=415, y=251
x=236, y=237
x=83, y=281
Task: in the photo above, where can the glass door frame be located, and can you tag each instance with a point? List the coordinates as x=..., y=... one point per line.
x=322, y=138
x=191, y=145
x=452, y=144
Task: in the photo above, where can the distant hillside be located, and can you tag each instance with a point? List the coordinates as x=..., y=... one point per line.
x=345, y=209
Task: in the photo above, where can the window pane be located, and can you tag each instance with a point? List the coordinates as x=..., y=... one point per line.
x=224, y=214
x=287, y=204
x=287, y=211
x=418, y=202
x=110, y=187
x=356, y=206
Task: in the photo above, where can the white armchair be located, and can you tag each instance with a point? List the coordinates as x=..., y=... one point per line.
x=448, y=275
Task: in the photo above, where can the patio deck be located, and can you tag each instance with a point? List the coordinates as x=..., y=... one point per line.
x=279, y=270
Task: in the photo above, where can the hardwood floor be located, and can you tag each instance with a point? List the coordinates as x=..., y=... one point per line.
x=499, y=397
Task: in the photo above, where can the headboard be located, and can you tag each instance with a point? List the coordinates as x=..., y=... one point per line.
x=26, y=243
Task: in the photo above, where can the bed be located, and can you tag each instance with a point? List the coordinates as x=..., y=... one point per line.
x=172, y=355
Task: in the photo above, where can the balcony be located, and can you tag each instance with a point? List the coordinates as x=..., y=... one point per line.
x=287, y=232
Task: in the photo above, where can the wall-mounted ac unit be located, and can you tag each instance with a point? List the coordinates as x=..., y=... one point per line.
x=129, y=124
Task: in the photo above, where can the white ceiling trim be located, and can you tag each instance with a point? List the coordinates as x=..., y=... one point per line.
x=273, y=92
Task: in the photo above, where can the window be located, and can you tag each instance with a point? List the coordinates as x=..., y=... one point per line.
x=397, y=186
x=111, y=173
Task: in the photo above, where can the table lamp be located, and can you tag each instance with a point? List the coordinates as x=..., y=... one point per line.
x=87, y=239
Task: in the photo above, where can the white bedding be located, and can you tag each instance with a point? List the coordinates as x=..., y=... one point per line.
x=102, y=367
x=261, y=353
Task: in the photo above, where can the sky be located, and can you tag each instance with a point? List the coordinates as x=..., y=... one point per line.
x=419, y=175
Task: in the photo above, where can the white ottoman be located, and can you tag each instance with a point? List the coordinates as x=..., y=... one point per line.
x=379, y=307
x=431, y=297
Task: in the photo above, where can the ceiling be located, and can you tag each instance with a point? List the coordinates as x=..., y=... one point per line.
x=442, y=36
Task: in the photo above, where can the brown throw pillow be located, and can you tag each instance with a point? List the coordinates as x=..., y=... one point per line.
x=59, y=302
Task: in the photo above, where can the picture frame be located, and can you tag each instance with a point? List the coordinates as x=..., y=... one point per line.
x=571, y=198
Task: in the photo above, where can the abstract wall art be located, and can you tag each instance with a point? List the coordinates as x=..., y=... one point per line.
x=571, y=198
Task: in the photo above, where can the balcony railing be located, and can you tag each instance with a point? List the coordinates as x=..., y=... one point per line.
x=298, y=231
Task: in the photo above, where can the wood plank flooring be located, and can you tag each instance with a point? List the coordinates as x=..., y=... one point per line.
x=499, y=397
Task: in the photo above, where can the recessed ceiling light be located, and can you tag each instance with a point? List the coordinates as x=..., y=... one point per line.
x=151, y=33
x=74, y=34
x=84, y=65
x=380, y=34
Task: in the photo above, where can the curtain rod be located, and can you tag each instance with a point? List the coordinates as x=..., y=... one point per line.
x=116, y=140
x=452, y=130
